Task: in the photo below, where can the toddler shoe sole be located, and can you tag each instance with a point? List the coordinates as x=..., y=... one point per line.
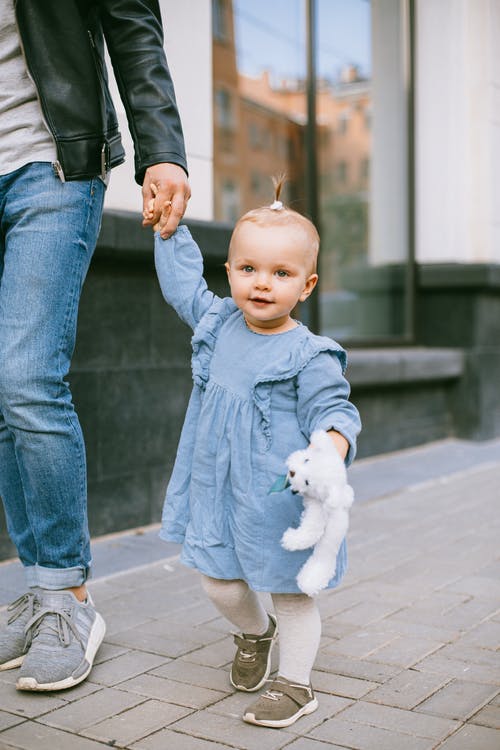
x=95, y=639
x=309, y=708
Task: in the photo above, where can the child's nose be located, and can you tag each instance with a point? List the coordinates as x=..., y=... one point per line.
x=262, y=281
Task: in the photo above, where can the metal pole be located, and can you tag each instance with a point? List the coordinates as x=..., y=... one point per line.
x=311, y=308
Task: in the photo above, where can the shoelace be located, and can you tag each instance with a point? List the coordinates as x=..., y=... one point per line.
x=272, y=695
x=25, y=602
x=57, y=621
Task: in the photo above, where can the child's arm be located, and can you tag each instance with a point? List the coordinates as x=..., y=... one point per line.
x=323, y=403
x=179, y=266
x=339, y=441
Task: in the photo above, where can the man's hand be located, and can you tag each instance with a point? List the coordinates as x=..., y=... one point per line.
x=165, y=194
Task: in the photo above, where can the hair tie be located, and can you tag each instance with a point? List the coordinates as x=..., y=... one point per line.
x=276, y=206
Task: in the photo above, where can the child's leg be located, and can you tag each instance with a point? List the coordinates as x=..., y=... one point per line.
x=241, y=606
x=236, y=601
x=299, y=624
x=290, y=694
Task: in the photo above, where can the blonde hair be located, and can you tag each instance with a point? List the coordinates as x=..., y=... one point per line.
x=278, y=215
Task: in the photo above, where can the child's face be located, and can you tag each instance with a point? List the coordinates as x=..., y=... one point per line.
x=269, y=271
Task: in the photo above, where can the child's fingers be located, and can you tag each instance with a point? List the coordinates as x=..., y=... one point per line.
x=164, y=216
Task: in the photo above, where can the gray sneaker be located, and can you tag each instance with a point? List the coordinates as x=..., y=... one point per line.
x=14, y=641
x=65, y=635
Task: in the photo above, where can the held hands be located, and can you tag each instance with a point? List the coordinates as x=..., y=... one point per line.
x=165, y=194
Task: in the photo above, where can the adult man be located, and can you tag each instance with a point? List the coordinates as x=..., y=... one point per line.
x=58, y=140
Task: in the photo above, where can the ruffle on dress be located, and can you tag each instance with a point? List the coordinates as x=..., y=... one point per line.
x=205, y=337
x=298, y=358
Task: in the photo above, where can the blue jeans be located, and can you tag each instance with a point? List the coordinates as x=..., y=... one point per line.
x=48, y=232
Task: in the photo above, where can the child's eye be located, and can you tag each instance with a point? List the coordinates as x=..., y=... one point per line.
x=247, y=269
x=282, y=274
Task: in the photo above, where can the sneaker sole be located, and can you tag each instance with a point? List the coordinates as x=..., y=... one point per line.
x=309, y=708
x=95, y=639
x=268, y=667
x=13, y=663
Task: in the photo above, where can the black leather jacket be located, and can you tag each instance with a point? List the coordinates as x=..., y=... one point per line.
x=63, y=43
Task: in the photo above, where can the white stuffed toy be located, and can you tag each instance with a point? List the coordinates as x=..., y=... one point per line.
x=318, y=474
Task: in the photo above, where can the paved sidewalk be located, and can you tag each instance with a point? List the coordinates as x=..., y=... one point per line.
x=410, y=655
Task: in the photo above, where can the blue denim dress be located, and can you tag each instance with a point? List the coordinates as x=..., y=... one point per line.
x=256, y=398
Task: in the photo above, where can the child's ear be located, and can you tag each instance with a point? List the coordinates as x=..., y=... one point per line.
x=226, y=266
x=309, y=286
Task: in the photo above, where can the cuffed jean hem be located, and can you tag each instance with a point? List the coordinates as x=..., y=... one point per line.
x=56, y=578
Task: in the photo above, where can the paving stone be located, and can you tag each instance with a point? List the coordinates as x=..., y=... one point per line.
x=399, y=720
x=136, y=723
x=79, y=691
x=394, y=624
x=167, y=739
x=30, y=736
x=195, y=674
x=458, y=699
x=407, y=689
x=404, y=651
x=125, y=667
x=9, y=720
x=335, y=684
x=334, y=630
x=172, y=692
x=438, y=664
x=363, y=670
x=214, y=655
x=485, y=635
x=472, y=612
x=366, y=612
x=360, y=644
x=27, y=704
x=108, y=651
x=472, y=737
x=91, y=710
x=140, y=640
x=304, y=743
x=477, y=586
x=472, y=654
x=232, y=731
x=363, y=737
x=489, y=716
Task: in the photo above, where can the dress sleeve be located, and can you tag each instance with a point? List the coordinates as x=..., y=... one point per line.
x=323, y=400
x=179, y=266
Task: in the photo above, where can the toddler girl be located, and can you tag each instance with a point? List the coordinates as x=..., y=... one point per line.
x=262, y=384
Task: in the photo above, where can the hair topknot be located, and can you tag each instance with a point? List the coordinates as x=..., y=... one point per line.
x=278, y=214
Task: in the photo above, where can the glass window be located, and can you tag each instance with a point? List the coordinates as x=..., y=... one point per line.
x=362, y=90
x=361, y=150
x=220, y=20
x=262, y=66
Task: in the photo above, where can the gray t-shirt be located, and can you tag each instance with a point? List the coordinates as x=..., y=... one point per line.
x=24, y=136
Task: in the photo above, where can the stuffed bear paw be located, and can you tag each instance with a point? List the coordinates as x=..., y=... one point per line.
x=294, y=539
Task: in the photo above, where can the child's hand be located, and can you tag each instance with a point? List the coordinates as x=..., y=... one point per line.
x=148, y=211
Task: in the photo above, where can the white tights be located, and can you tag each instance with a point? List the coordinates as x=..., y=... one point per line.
x=299, y=622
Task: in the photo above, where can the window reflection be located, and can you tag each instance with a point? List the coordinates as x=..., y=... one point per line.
x=260, y=105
